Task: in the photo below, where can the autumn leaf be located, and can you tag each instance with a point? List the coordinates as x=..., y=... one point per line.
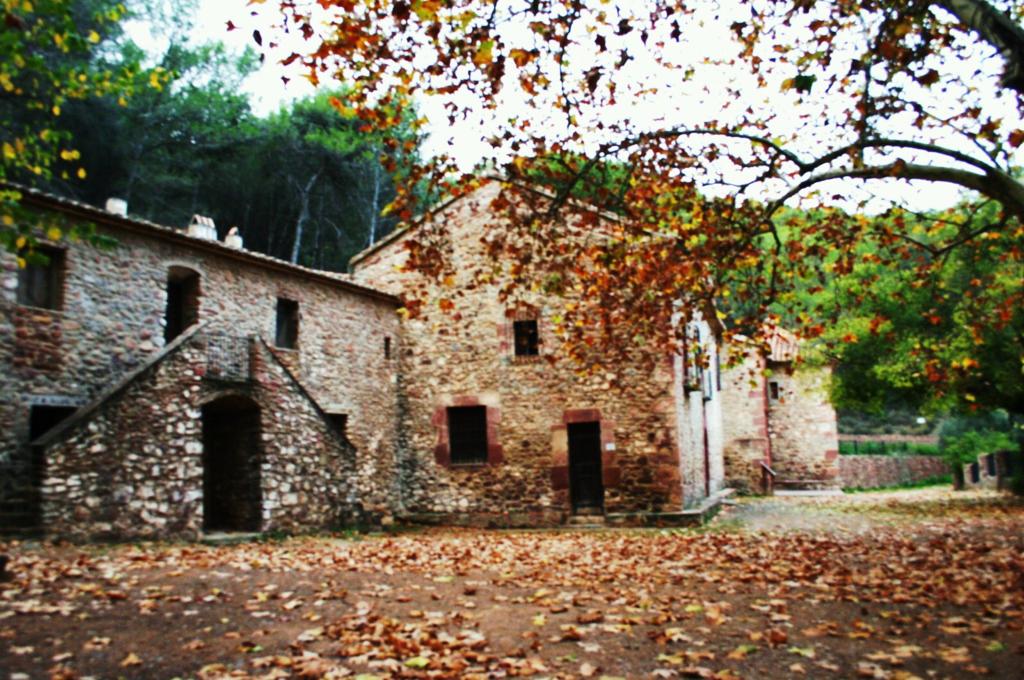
x=484, y=53
x=131, y=660
x=742, y=652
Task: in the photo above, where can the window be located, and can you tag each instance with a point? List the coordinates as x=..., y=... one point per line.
x=42, y=419
x=527, y=339
x=693, y=359
x=387, y=347
x=990, y=465
x=287, y=334
x=467, y=434
x=339, y=422
x=41, y=283
x=773, y=390
x=182, y=301
x=718, y=371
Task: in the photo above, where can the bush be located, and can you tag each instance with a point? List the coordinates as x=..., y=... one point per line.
x=966, y=447
x=877, y=448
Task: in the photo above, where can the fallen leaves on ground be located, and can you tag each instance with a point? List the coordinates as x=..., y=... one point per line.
x=938, y=590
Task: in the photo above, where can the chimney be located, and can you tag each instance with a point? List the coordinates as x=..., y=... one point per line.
x=117, y=206
x=203, y=227
x=233, y=239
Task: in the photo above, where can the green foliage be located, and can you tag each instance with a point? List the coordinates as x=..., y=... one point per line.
x=53, y=54
x=938, y=480
x=82, y=118
x=1017, y=484
x=603, y=184
x=966, y=447
x=926, y=323
x=963, y=439
x=882, y=448
x=308, y=183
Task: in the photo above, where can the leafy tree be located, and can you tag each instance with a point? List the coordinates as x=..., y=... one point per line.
x=941, y=330
x=310, y=184
x=306, y=184
x=866, y=90
x=157, y=150
x=52, y=54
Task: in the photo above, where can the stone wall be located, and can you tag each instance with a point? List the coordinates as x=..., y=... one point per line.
x=744, y=421
x=869, y=472
x=132, y=466
x=467, y=358
x=993, y=470
x=112, y=319
x=777, y=413
x=802, y=426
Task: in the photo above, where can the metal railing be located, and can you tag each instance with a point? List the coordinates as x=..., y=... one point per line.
x=767, y=479
x=228, y=357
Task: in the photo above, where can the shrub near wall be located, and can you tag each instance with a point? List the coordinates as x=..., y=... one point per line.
x=869, y=472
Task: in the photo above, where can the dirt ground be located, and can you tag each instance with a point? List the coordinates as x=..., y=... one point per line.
x=924, y=583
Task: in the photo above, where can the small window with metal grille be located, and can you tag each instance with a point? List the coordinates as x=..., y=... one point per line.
x=527, y=338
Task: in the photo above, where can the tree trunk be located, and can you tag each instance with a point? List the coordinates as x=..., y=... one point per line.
x=958, y=476
x=375, y=200
x=300, y=222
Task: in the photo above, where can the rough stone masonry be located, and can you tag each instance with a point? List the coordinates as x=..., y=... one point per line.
x=174, y=385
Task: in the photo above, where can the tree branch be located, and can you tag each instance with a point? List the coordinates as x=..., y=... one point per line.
x=998, y=30
x=994, y=183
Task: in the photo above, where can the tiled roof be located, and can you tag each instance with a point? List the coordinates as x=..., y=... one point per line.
x=42, y=199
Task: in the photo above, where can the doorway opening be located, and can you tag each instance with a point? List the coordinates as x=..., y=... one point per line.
x=41, y=419
x=232, y=497
x=586, y=486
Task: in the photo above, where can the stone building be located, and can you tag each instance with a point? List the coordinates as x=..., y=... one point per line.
x=495, y=433
x=780, y=428
x=172, y=384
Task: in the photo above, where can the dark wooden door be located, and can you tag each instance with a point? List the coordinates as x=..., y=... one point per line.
x=232, y=492
x=586, y=488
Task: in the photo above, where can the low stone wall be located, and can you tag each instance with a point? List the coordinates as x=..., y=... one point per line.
x=868, y=472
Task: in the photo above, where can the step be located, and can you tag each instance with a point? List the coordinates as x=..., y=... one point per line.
x=807, y=493
x=586, y=521
x=229, y=537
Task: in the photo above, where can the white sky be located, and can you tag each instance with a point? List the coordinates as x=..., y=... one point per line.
x=266, y=89
x=464, y=141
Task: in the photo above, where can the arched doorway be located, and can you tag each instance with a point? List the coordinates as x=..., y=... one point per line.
x=232, y=498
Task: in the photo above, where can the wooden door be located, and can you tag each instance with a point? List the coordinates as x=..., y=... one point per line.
x=586, y=488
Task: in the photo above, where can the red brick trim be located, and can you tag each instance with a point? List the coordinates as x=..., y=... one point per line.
x=560, y=477
x=442, y=450
x=506, y=334
x=611, y=473
x=583, y=415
